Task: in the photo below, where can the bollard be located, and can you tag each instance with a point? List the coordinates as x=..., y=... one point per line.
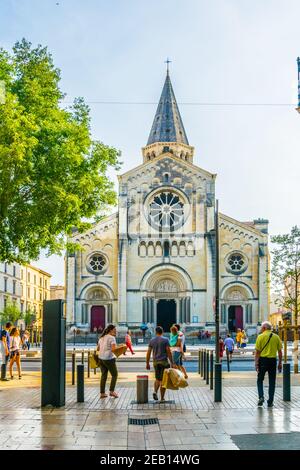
x=142, y=388
x=286, y=381
x=211, y=370
x=82, y=357
x=207, y=368
x=228, y=361
x=199, y=361
x=73, y=366
x=204, y=364
x=88, y=361
x=80, y=383
x=218, y=382
x=95, y=370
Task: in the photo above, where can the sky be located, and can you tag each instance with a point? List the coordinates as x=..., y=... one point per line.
x=223, y=52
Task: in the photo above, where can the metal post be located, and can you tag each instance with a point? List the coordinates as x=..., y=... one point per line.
x=199, y=361
x=80, y=383
x=95, y=370
x=73, y=366
x=88, y=366
x=204, y=364
x=286, y=382
x=228, y=362
x=207, y=368
x=211, y=370
x=142, y=388
x=82, y=357
x=218, y=365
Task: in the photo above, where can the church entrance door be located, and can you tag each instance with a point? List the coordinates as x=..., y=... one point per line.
x=235, y=318
x=166, y=314
x=98, y=317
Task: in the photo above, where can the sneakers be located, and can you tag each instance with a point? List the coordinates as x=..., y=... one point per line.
x=155, y=397
x=260, y=402
x=270, y=404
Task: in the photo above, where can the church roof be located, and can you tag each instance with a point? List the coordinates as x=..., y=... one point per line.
x=167, y=125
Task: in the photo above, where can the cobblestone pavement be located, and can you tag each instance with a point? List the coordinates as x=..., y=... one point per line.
x=192, y=422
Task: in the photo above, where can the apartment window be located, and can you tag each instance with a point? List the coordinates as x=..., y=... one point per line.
x=34, y=293
x=5, y=302
x=45, y=295
x=41, y=297
x=22, y=274
x=22, y=307
x=45, y=283
x=22, y=290
x=14, y=271
x=5, y=267
x=28, y=277
x=28, y=292
x=41, y=282
x=14, y=287
x=5, y=284
x=35, y=279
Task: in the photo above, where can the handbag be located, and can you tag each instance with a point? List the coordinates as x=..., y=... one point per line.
x=94, y=361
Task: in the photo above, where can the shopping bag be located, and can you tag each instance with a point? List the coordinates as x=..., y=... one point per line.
x=167, y=382
x=120, y=349
x=177, y=378
x=94, y=361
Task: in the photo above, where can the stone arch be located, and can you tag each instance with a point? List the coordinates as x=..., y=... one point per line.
x=182, y=249
x=143, y=250
x=158, y=249
x=172, y=273
x=174, y=249
x=150, y=249
x=241, y=287
x=100, y=288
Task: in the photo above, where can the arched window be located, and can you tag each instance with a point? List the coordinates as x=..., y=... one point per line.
x=166, y=249
x=166, y=178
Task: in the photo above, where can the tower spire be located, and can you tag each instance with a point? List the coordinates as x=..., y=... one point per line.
x=167, y=125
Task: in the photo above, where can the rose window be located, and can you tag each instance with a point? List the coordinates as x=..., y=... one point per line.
x=236, y=263
x=166, y=210
x=97, y=263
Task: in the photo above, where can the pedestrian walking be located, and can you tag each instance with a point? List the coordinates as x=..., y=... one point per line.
x=222, y=347
x=182, y=357
x=244, y=341
x=25, y=340
x=238, y=338
x=5, y=349
x=229, y=346
x=107, y=361
x=128, y=342
x=159, y=346
x=267, y=346
x=15, y=348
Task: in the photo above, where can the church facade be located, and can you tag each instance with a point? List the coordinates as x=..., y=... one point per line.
x=154, y=260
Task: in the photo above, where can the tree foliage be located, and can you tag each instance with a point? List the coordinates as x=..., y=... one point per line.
x=286, y=270
x=53, y=175
x=11, y=312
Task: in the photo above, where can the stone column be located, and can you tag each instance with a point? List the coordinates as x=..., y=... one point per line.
x=70, y=287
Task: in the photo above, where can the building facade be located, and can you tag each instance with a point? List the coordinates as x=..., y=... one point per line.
x=35, y=288
x=154, y=260
x=57, y=292
x=10, y=285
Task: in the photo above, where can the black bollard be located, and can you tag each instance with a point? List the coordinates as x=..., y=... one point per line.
x=88, y=367
x=82, y=357
x=228, y=361
x=73, y=366
x=199, y=361
x=204, y=364
x=80, y=383
x=211, y=370
x=286, y=381
x=207, y=368
x=218, y=382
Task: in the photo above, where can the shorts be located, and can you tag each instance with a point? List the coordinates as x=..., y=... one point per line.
x=14, y=354
x=159, y=367
x=243, y=345
x=176, y=356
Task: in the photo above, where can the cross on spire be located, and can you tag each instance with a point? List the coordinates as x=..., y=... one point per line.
x=168, y=62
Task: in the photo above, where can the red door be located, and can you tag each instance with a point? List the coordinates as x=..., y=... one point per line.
x=98, y=317
x=239, y=317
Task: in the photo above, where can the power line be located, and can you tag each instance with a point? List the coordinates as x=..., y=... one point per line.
x=183, y=103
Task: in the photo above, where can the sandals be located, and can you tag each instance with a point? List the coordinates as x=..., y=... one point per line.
x=103, y=395
x=113, y=394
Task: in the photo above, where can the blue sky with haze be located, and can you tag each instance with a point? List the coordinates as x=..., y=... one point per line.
x=222, y=51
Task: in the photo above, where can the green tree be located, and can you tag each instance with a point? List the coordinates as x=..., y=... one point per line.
x=53, y=175
x=11, y=312
x=29, y=317
x=286, y=276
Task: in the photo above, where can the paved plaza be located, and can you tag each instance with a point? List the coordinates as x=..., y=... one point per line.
x=190, y=420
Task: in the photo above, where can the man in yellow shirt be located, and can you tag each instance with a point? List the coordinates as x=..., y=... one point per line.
x=267, y=346
x=238, y=338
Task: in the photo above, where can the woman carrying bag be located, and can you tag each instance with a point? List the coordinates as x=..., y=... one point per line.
x=107, y=345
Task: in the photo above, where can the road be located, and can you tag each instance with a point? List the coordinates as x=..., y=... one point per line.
x=132, y=366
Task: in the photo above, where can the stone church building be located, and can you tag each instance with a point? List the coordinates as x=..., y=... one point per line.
x=153, y=261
